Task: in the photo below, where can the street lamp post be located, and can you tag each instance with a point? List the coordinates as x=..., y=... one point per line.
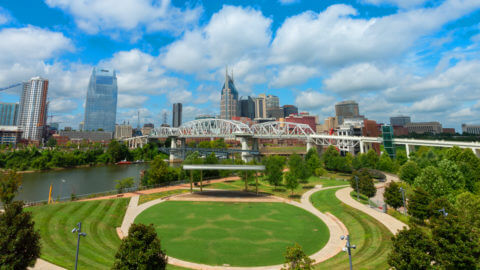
x=402, y=190
x=444, y=213
x=61, y=188
x=78, y=230
x=348, y=248
x=356, y=180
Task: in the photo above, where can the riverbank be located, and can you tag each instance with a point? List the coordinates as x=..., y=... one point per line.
x=73, y=167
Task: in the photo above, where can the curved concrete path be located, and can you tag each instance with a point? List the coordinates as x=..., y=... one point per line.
x=44, y=265
x=393, y=225
x=333, y=246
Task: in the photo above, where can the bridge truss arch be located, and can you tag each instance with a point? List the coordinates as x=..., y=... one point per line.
x=214, y=128
x=286, y=130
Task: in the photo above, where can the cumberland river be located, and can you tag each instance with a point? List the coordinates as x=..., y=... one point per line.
x=35, y=186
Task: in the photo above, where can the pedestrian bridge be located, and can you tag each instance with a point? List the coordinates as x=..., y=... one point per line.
x=235, y=130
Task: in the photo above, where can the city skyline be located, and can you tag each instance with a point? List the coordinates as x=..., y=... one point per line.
x=422, y=70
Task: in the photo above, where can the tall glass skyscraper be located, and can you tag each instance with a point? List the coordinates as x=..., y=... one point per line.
x=33, y=109
x=101, y=105
x=8, y=114
x=229, y=100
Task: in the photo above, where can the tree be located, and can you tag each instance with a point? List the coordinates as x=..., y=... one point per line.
x=141, y=249
x=392, y=195
x=431, y=180
x=412, y=249
x=123, y=184
x=409, y=171
x=297, y=167
x=401, y=157
x=451, y=174
x=296, y=259
x=312, y=161
x=330, y=158
x=51, y=142
x=291, y=182
x=365, y=183
x=371, y=159
x=467, y=207
x=274, y=169
x=418, y=204
x=9, y=185
x=117, y=151
x=457, y=245
x=385, y=163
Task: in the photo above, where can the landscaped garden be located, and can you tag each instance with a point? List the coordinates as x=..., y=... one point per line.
x=237, y=234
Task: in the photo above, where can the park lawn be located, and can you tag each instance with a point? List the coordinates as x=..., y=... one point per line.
x=150, y=197
x=237, y=234
x=373, y=239
x=280, y=191
x=99, y=221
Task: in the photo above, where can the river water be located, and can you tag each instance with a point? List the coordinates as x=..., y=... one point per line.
x=35, y=186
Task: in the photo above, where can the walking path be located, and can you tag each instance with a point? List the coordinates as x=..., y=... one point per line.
x=392, y=224
x=44, y=265
x=335, y=226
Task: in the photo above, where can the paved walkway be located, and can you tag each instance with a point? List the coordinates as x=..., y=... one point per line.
x=392, y=224
x=44, y=265
x=333, y=246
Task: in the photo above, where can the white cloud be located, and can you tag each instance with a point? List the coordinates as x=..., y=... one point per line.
x=131, y=101
x=60, y=105
x=293, y=75
x=232, y=34
x=4, y=16
x=364, y=77
x=432, y=104
x=288, y=2
x=181, y=96
x=313, y=100
x=94, y=16
x=399, y=3
x=336, y=36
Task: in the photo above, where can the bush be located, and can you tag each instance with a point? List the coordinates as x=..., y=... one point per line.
x=319, y=171
x=123, y=184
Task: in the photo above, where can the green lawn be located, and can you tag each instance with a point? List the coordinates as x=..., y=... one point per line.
x=280, y=191
x=238, y=234
x=373, y=240
x=150, y=197
x=99, y=220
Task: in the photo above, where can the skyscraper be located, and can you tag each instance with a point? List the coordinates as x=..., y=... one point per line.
x=346, y=109
x=101, y=105
x=247, y=107
x=289, y=109
x=8, y=114
x=33, y=109
x=229, y=100
x=272, y=101
x=177, y=115
x=260, y=106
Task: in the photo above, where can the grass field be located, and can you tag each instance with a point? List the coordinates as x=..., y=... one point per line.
x=280, y=191
x=150, y=197
x=99, y=220
x=238, y=234
x=373, y=240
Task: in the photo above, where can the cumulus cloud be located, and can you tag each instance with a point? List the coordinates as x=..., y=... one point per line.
x=336, y=36
x=288, y=2
x=293, y=75
x=313, y=100
x=101, y=16
x=61, y=105
x=131, y=101
x=432, y=104
x=399, y=3
x=4, y=16
x=232, y=34
x=180, y=96
x=364, y=77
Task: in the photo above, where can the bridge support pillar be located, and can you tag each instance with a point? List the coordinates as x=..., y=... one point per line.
x=310, y=145
x=173, y=145
x=362, y=147
x=409, y=149
x=246, y=157
x=476, y=151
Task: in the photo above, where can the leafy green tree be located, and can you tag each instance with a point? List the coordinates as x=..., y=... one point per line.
x=451, y=174
x=141, y=249
x=371, y=159
x=274, y=169
x=457, y=245
x=291, y=182
x=365, y=183
x=297, y=167
x=117, y=151
x=204, y=144
x=409, y=171
x=431, y=180
x=211, y=159
x=159, y=172
x=392, y=195
x=124, y=183
x=19, y=242
x=385, y=163
x=296, y=259
x=418, y=204
x=412, y=249
x=51, y=142
x=9, y=184
x=312, y=161
x=437, y=204
x=401, y=158
x=331, y=158
x=467, y=207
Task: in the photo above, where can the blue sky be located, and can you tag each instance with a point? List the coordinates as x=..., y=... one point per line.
x=411, y=57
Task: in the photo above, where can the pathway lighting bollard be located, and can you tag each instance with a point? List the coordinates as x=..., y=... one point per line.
x=78, y=230
x=444, y=213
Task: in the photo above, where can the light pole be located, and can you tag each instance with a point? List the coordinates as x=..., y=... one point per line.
x=444, y=213
x=356, y=180
x=348, y=248
x=61, y=188
x=402, y=190
x=78, y=230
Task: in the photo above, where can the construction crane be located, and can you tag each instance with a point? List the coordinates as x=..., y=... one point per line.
x=11, y=86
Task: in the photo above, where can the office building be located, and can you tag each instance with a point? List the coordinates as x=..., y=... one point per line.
x=400, y=120
x=289, y=109
x=275, y=112
x=346, y=109
x=229, y=99
x=247, y=107
x=177, y=115
x=81, y=126
x=8, y=114
x=147, y=128
x=424, y=127
x=33, y=109
x=260, y=106
x=10, y=135
x=123, y=131
x=90, y=136
x=303, y=118
x=272, y=101
x=101, y=105
x=471, y=129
